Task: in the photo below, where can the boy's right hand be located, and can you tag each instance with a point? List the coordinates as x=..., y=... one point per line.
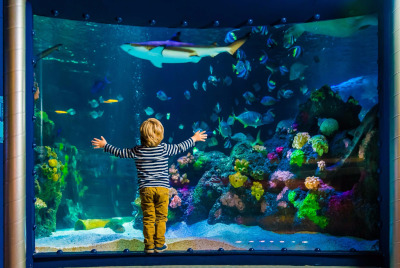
x=98, y=144
x=199, y=136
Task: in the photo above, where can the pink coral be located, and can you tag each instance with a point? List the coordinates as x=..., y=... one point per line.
x=282, y=204
x=175, y=202
x=184, y=160
x=280, y=195
x=279, y=150
x=272, y=156
x=172, y=170
x=232, y=200
x=279, y=177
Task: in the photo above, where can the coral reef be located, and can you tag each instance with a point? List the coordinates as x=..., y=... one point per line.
x=237, y=179
x=319, y=144
x=241, y=166
x=232, y=200
x=297, y=157
x=324, y=103
x=312, y=183
x=309, y=208
x=185, y=160
x=300, y=140
x=329, y=126
x=257, y=190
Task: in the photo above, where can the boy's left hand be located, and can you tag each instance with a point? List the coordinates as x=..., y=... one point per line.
x=98, y=144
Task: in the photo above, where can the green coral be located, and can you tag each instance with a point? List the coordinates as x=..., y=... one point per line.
x=201, y=160
x=329, y=126
x=297, y=157
x=257, y=190
x=319, y=144
x=258, y=174
x=242, y=166
x=317, y=95
x=308, y=208
x=198, y=194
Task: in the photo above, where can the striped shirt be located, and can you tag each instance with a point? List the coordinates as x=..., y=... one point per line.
x=151, y=162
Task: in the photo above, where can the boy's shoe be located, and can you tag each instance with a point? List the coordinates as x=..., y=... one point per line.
x=161, y=249
x=148, y=251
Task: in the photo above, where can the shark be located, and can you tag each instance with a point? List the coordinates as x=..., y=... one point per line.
x=175, y=51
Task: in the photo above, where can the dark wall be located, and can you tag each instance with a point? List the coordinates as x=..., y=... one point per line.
x=202, y=14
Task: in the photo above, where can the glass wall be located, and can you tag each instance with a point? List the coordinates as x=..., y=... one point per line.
x=291, y=114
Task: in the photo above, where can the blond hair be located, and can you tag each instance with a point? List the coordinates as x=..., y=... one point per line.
x=151, y=132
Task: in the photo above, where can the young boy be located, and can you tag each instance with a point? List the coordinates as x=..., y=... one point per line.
x=151, y=158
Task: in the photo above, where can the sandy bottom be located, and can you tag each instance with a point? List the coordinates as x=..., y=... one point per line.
x=200, y=236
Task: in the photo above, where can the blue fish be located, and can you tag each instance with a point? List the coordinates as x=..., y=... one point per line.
x=242, y=69
x=231, y=36
x=297, y=51
x=240, y=55
x=196, y=85
x=217, y=108
x=283, y=69
x=271, y=42
x=271, y=84
x=264, y=58
x=212, y=79
x=187, y=94
x=249, y=97
x=149, y=111
x=224, y=129
x=260, y=29
x=227, y=144
x=267, y=101
x=204, y=86
x=162, y=96
x=99, y=85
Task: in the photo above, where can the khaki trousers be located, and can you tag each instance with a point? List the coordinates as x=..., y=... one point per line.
x=154, y=203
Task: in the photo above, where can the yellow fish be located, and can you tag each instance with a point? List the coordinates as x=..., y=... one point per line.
x=61, y=112
x=110, y=101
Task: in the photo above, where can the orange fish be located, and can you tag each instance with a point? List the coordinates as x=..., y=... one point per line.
x=110, y=101
x=61, y=112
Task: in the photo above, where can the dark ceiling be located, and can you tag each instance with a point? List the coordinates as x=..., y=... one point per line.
x=202, y=14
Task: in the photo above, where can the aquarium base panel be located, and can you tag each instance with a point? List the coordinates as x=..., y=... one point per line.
x=47, y=260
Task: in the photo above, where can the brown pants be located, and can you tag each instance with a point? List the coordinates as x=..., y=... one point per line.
x=154, y=203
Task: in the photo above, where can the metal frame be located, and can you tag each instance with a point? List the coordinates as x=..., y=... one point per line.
x=30, y=193
x=288, y=257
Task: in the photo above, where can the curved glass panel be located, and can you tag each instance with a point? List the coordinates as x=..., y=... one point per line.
x=291, y=157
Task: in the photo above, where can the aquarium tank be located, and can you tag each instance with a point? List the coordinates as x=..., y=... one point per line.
x=290, y=110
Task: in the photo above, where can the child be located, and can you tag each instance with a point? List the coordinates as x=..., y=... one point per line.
x=151, y=158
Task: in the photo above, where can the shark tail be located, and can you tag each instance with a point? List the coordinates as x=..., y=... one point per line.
x=237, y=44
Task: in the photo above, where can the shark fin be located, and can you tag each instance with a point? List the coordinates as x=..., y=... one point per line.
x=176, y=37
x=157, y=50
x=195, y=59
x=237, y=44
x=156, y=63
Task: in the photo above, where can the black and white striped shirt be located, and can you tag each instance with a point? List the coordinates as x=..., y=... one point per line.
x=151, y=162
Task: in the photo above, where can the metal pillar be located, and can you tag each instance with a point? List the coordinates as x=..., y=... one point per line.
x=395, y=138
x=15, y=135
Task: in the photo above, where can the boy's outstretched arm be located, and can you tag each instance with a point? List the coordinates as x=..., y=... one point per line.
x=108, y=148
x=173, y=149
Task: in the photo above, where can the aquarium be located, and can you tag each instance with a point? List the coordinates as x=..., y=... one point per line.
x=291, y=157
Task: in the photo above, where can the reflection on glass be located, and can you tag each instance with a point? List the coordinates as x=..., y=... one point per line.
x=291, y=158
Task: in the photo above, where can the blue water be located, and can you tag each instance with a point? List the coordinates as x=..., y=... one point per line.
x=90, y=65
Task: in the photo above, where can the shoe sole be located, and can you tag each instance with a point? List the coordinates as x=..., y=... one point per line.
x=149, y=251
x=161, y=250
